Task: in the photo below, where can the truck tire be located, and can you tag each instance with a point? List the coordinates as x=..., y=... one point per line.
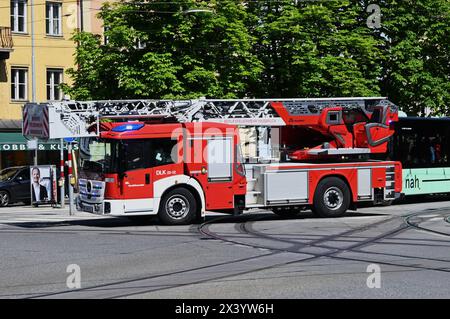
x=178, y=207
x=331, y=198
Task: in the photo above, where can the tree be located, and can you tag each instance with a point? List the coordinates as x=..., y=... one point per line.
x=315, y=49
x=180, y=55
x=265, y=48
x=416, y=41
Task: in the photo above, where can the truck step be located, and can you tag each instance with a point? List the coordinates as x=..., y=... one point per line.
x=251, y=198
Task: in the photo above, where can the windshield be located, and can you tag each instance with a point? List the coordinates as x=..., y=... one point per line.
x=7, y=174
x=97, y=155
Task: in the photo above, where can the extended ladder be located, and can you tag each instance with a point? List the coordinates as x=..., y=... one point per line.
x=72, y=118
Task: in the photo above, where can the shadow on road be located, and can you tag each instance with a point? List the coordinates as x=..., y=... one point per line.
x=116, y=222
x=113, y=222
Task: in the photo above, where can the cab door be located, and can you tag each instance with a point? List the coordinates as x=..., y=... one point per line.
x=135, y=170
x=146, y=162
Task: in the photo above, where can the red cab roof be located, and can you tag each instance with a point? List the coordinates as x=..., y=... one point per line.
x=162, y=130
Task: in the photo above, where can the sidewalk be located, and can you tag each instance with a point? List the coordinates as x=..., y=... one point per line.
x=21, y=213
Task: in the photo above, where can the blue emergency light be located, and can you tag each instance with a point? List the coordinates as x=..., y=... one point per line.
x=128, y=127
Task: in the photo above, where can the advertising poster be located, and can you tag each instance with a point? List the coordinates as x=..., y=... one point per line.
x=43, y=184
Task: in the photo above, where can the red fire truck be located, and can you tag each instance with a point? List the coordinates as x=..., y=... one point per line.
x=179, y=159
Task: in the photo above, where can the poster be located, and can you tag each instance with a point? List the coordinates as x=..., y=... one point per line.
x=43, y=184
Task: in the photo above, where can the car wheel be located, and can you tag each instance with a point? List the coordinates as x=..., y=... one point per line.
x=178, y=207
x=4, y=198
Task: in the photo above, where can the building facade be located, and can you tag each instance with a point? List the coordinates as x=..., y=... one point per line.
x=36, y=50
x=41, y=52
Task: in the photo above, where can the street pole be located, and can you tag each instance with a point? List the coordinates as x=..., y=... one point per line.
x=61, y=174
x=33, y=56
x=81, y=16
x=33, y=69
x=70, y=179
x=36, y=152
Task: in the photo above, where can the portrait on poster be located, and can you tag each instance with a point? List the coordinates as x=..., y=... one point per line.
x=42, y=184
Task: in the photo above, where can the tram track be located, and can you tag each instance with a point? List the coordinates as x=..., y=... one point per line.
x=404, y=226
x=417, y=225
x=332, y=254
x=144, y=284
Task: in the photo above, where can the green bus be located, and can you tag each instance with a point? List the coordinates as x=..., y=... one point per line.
x=422, y=145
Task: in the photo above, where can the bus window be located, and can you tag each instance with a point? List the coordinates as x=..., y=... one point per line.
x=422, y=143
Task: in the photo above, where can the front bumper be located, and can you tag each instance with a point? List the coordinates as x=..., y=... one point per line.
x=98, y=209
x=130, y=207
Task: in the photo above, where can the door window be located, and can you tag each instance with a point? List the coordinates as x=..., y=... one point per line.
x=24, y=175
x=220, y=159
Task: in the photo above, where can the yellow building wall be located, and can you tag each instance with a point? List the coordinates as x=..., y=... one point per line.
x=91, y=22
x=50, y=52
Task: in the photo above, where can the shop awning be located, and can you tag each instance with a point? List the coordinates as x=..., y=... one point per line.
x=17, y=142
x=10, y=125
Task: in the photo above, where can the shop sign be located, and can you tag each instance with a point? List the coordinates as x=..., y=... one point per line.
x=41, y=147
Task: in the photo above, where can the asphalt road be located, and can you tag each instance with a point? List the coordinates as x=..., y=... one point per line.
x=257, y=255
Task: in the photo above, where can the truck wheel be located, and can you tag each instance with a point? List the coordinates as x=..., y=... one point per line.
x=178, y=207
x=4, y=198
x=331, y=198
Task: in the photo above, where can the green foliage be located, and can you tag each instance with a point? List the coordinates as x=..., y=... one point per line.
x=416, y=37
x=282, y=48
x=316, y=49
x=186, y=55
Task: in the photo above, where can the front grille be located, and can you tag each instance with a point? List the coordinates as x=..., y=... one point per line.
x=91, y=191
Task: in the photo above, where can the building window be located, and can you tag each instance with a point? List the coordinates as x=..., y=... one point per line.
x=19, y=16
x=54, y=79
x=53, y=18
x=19, y=84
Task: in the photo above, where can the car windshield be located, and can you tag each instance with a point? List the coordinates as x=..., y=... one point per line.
x=7, y=174
x=99, y=155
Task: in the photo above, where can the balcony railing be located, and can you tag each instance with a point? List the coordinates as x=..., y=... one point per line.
x=6, y=41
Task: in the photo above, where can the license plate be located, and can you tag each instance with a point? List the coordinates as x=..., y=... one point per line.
x=89, y=209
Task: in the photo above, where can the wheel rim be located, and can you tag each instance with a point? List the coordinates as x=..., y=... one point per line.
x=177, y=206
x=4, y=199
x=333, y=198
